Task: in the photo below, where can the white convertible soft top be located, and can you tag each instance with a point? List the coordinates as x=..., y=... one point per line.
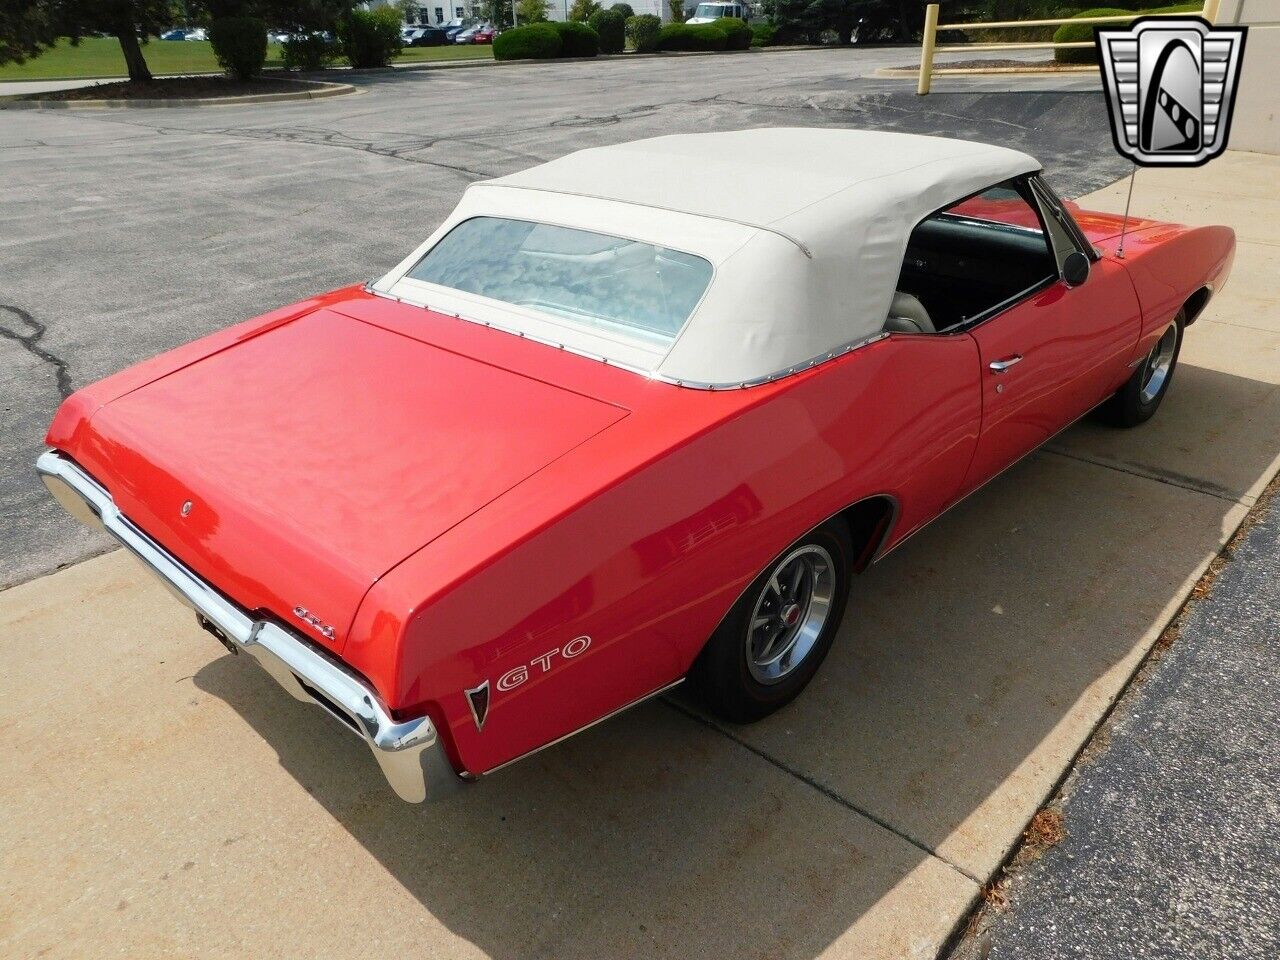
x=806, y=229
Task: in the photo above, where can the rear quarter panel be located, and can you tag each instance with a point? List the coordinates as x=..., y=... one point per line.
x=643, y=538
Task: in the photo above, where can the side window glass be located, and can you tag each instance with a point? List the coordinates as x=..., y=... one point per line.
x=978, y=255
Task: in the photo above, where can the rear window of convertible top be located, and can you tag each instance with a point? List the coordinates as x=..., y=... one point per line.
x=591, y=279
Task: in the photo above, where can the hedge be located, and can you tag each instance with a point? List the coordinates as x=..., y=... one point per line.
x=611, y=27
x=240, y=44
x=576, y=39
x=762, y=34
x=537, y=41
x=737, y=31
x=1080, y=32
x=624, y=9
x=642, y=31
x=370, y=38
x=683, y=36
x=308, y=52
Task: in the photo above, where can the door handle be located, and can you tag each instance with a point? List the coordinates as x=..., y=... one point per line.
x=1000, y=366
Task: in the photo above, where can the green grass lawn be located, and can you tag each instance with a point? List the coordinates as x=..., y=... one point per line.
x=97, y=57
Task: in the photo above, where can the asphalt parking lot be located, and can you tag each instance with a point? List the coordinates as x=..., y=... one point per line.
x=193, y=810
x=129, y=232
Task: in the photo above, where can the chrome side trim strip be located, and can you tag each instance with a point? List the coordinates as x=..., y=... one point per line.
x=999, y=473
x=411, y=754
x=574, y=733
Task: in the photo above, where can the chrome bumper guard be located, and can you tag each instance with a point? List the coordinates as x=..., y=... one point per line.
x=410, y=754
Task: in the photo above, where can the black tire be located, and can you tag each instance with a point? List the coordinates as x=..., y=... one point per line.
x=1135, y=402
x=737, y=685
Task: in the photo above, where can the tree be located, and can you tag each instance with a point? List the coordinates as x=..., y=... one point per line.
x=290, y=16
x=677, y=10
x=496, y=12
x=583, y=9
x=532, y=11
x=129, y=21
x=807, y=20
x=26, y=30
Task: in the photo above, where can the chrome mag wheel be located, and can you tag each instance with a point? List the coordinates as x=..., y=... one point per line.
x=790, y=612
x=1159, y=363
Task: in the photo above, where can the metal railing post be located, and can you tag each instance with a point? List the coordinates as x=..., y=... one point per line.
x=926, y=48
x=1210, y=11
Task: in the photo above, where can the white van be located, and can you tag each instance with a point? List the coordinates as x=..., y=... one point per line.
x=711, y=12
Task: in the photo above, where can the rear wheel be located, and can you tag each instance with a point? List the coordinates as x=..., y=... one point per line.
x=1137, y=401
x=778, y=633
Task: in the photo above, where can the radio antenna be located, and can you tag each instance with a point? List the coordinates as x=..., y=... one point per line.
x=1124, y=225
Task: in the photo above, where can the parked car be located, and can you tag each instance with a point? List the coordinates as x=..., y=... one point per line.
x=484, y=35
x=606, y=429
x=469, y=34
x=174, y=35
x=711, y=12
x=454, y=27
x=426, y=37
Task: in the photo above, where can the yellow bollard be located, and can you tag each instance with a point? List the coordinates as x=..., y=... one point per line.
x=926, y=48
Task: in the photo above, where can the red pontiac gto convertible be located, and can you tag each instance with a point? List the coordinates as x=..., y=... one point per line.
x=606, y=429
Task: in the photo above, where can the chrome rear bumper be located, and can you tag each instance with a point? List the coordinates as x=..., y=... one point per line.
x=410, y=754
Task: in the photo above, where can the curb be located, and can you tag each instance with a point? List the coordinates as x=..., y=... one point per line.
x=898, y=73
x=327, y=89
x=459, y=64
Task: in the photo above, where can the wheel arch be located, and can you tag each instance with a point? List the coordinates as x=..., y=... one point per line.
x=1196, y=303
x=870, y=522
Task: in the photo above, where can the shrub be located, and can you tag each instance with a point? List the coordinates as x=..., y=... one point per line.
x=370, y=38
x=762, y=34
x=738, y=33
x=624, y=9
x=1078, y=32
x=610, y=26
x=240, y=44
x=577, y=39
x=308, y=51
x=537, y=41
x=642, y=31
x=682, y=36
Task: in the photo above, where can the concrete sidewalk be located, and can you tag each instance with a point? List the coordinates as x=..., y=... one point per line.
x=1172, y=843
x=185, y=806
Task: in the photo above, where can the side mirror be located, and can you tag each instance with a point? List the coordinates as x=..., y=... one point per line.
x=1075, y=269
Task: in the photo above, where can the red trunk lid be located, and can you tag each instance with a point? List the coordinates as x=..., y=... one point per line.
x=320, y=454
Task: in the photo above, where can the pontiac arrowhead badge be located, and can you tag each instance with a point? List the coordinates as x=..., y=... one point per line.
x=1170, y=84
x=478, y=699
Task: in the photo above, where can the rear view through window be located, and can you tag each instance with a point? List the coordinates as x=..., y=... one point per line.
x=605, y=283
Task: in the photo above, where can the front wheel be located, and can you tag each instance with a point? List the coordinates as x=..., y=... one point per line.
x=1137, y=401
x=776, y=636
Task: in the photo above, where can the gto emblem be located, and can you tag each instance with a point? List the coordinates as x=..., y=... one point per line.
x=306, y=616
x=478, y=696
x=518, y=675
x=186, y=509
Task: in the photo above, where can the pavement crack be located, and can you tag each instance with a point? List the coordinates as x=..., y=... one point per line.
x=818, y=785
x=31, y=343
x=315, y=136
x=1179, y=480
